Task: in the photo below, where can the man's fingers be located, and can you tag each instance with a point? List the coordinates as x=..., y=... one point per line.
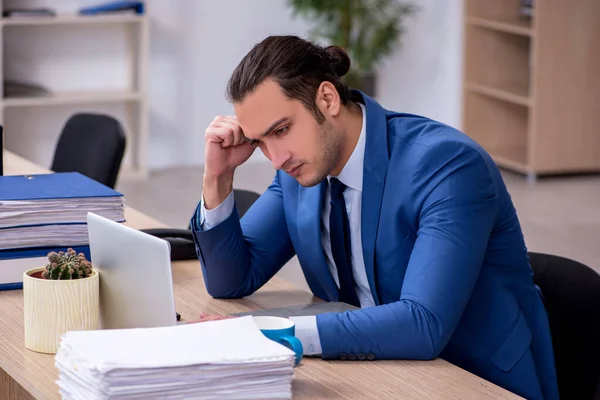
x=239, y=138
x=222, y=135
x=229, y=118
x=232, y=122
x=235, y=129
x=226, y=133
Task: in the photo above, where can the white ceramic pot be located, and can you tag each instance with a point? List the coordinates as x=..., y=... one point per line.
x=53, y=307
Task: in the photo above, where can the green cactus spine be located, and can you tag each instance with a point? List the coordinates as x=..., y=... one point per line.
x=69, y=265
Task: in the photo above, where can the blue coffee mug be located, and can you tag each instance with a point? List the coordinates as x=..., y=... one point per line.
x=281, y=330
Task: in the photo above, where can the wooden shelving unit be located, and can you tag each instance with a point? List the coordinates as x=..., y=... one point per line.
x=531, y=92
x=74, y=19
x=135, y=97
x=82, y=97
x=508, y=25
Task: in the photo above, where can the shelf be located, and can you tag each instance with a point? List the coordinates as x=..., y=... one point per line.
x=499, y=64
x=516, y=27
x=73, y=19
x=512, y=93
x=62, y=98
x=513, y=158
x=500, y=127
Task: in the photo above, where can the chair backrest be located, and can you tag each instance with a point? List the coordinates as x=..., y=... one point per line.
x=244, y=200
x=182, y=240
x=93, y=145
x=571, y=292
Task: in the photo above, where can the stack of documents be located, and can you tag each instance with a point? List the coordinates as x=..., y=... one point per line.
x=43, y=235
x=50, y=209
x=227, y=359
x=48, y=212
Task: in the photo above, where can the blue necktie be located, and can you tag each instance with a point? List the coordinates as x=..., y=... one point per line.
x=339, y=228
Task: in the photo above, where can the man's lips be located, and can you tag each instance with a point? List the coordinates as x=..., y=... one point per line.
x=294, y=171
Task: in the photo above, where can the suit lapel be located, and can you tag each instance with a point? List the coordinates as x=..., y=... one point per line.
x=376, y=161
x=309, y=230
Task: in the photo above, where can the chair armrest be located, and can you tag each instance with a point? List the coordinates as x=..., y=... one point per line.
x=181, y=242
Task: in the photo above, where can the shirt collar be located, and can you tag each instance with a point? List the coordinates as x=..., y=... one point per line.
x=352, y=173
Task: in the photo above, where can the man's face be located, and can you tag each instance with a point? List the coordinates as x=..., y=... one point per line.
x=289, y=135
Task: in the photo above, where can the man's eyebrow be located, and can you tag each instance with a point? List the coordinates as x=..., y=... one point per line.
x=273, y=126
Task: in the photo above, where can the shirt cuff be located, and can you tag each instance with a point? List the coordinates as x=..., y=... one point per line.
x=308, y=334
x=211, y=218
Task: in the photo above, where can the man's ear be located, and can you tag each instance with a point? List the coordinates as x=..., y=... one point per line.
x=328, y=99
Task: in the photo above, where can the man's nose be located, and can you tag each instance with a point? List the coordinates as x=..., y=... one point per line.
x=277, y=156
x=279, y=159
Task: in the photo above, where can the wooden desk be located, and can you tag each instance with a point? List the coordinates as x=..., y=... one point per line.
x=25, y=374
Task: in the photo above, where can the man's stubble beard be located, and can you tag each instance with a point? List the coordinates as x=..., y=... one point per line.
x=330, y=146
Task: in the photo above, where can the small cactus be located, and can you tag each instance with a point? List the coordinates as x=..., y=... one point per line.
x=69, y=265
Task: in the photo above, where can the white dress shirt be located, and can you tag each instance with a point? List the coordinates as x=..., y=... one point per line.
x=351, y=175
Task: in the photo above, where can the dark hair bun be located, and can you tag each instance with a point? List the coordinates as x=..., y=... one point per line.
x=339, y=60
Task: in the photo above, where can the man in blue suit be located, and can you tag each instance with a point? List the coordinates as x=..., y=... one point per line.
x=405, y=217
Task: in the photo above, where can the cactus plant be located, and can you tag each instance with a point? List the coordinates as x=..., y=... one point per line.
x=69, y=265
x=60, y=296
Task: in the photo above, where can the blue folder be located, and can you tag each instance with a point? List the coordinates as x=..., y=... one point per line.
x=7, y=255
x=60, y=185
x=114, y=6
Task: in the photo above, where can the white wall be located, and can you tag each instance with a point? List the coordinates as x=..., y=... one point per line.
x=424, y=75
x=195, y=45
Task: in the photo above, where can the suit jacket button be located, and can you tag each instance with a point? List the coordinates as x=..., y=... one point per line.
x=352, y=357
x=370, y=356
x=343, y=356
x=362, y=356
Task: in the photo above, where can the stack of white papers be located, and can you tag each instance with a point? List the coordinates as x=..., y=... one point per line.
x=61, y=211
x=227, y=359
x=44, y=236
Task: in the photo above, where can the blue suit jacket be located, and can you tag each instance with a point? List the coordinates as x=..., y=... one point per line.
x=444, y=253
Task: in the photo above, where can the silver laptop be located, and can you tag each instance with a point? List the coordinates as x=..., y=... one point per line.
x=136, y=284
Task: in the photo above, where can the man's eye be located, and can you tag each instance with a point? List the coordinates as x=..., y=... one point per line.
x=281, y=131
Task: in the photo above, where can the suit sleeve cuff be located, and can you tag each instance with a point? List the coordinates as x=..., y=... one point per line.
x=308, y=334
x=208, y=219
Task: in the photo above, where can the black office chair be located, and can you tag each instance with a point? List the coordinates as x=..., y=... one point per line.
x=93, y=145
x=571, y=293
x=244, y=200
x=181, y=240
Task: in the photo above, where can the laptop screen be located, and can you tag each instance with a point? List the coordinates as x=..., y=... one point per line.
x=1, y=151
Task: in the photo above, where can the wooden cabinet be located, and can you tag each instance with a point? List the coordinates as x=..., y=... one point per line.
x=531, y=85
